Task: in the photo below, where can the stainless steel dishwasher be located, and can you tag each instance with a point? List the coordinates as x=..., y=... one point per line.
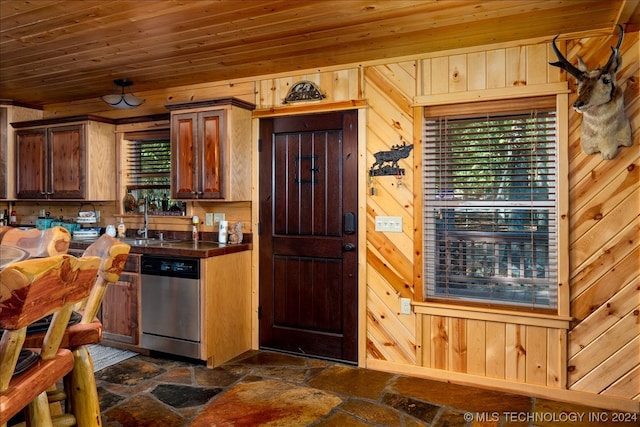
x=170, y=305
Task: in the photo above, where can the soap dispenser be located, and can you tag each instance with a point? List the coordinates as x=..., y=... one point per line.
x=194, y=230
x=122, y=229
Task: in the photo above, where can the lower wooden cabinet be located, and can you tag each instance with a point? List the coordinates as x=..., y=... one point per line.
x=119, y=312
x=226, y=320
x=225, y=307
x=120, y=309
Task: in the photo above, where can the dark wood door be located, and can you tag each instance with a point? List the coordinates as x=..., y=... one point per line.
x=308, y=235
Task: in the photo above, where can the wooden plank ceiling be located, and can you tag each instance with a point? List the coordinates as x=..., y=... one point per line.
x=55, y=51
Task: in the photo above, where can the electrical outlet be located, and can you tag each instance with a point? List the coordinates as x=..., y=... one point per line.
x=217, y=217
x=389, y=223
x=405, y=305
x=208, y=219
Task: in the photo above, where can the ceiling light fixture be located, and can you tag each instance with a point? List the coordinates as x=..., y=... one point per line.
x=120, y=99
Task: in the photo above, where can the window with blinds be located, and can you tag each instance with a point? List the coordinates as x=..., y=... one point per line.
x=148, y=161
x=490, y=215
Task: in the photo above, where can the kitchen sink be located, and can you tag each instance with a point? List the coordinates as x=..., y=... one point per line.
x=168, y=243
x=133, y=241
x=188, y=244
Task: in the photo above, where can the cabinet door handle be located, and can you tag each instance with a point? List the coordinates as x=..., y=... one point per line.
x=349, y=247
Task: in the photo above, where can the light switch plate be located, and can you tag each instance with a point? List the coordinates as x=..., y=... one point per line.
x=217, y=217
x=389, y=223
x=405, y=305
x=208, y=219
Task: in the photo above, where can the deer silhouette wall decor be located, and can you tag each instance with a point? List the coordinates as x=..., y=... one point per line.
x=605, y=126
x=391, y=157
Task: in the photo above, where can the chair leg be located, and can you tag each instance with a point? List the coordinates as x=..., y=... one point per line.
x=81, y=390
x=38, y=412
x=56, y=396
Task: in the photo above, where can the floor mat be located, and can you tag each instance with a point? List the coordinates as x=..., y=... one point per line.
x=106, y=356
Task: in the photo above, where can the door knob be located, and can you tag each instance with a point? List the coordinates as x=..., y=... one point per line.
x=349, y=247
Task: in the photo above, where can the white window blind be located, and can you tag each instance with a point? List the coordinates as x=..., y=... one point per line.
x=490, y=216
x=148, y=160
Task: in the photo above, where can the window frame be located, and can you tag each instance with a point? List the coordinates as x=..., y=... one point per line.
x=141, y=138
x=422, y=304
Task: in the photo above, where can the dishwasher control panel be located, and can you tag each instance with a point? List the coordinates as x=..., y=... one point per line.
x=172, y=267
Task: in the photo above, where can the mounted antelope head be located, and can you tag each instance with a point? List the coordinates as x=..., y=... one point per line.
x=605, y=127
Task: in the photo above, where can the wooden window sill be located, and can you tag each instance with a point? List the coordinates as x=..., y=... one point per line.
x=495, y=315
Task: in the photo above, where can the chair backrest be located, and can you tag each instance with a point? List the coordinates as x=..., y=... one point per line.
x=113, y=254
x=34, y=288
x=39, y=243
x=3, y=230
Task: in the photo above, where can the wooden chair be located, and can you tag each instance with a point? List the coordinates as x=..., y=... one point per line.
x=80, y=384
x=29, y=290
x=39, y=243
x=3, y=230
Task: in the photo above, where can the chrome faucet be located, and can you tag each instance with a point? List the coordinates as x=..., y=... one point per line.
x=145, y=230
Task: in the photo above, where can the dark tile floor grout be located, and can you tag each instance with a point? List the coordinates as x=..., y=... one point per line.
x=270, y=388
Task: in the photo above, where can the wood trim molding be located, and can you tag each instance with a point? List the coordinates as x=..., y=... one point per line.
x=14, y=103
x=309, y=108
x=560, y=394
x=494, y=315
x=62, y=120
x=208, y=103
x=563, y=208
x=492, y=94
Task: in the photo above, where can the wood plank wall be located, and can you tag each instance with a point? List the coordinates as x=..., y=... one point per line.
x=603, y=344
x=389, y=90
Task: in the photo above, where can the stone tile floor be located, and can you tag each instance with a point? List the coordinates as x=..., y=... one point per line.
x=268, y=388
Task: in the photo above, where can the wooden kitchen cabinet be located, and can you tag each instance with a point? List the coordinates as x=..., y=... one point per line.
x=9, y=113
x=119, y=311
x=226, y=307
x=211, y=150
x=65, y=159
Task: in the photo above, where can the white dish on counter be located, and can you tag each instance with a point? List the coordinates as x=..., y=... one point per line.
x=86, y=234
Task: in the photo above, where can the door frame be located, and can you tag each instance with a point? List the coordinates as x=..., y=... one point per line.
x=361, y=221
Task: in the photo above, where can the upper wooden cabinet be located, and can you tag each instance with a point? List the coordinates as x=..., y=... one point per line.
x=65, y=159
x=211, y=150
x=11, y=112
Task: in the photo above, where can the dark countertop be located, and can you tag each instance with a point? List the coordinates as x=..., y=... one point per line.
x=203, y=249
